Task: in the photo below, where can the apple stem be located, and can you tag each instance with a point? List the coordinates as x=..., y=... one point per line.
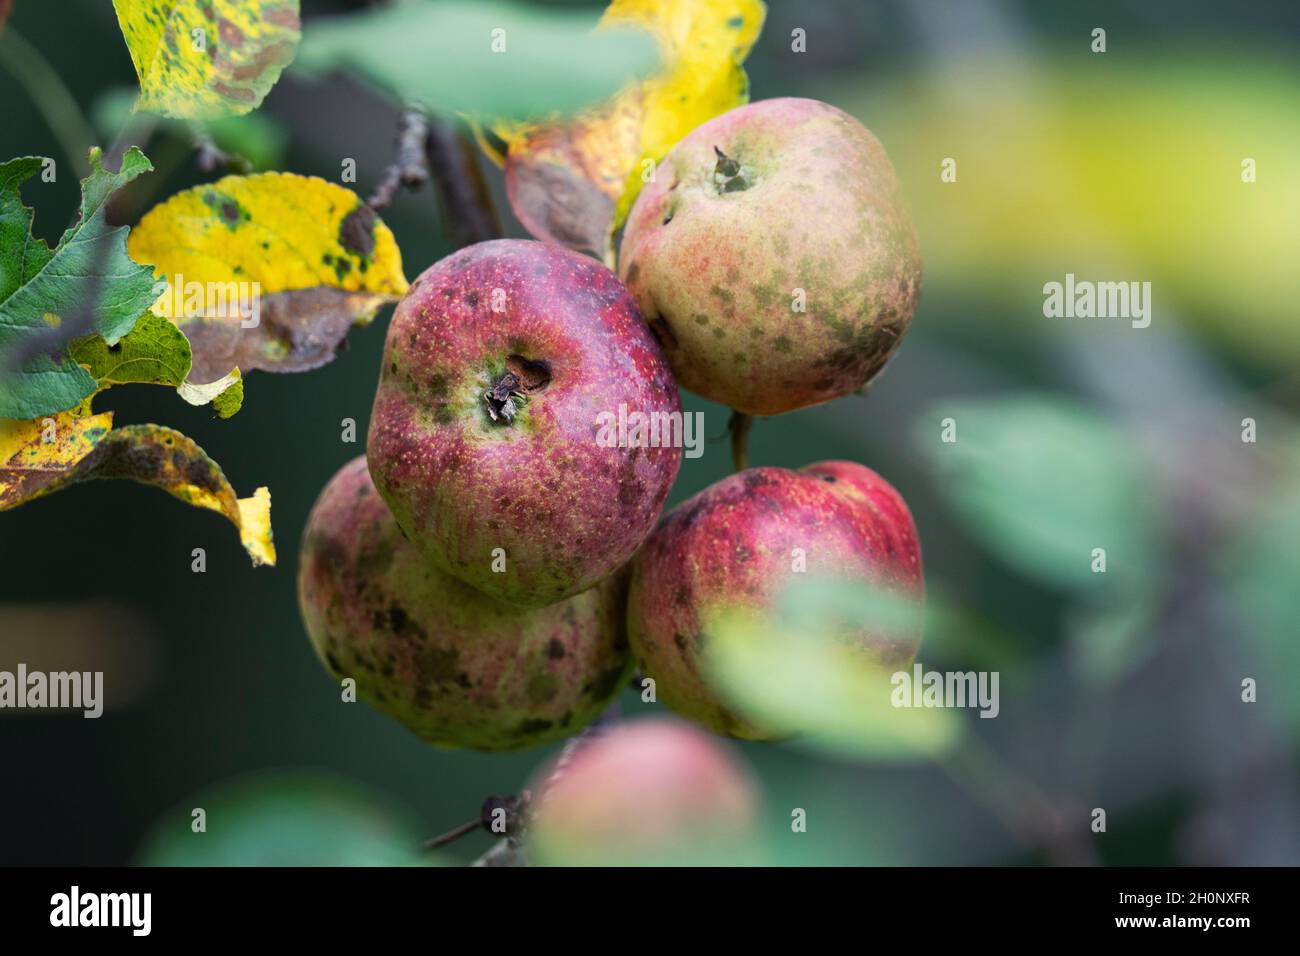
x=739, y=425
x=451, y=836
x=514, y=808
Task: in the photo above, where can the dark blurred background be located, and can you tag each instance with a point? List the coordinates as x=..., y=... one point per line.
x=1123, y=165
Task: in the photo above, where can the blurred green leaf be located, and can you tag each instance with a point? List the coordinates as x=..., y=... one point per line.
x=1043, y=482
x=1262, y=578
x=1107, y=643
x=258, y=137
x=285, y=818
x=484, y=58
x=792, y=670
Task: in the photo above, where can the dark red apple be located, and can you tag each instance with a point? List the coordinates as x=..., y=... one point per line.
x=739, y=543
x=499, y=362
x=650, y=792
x=457, y=667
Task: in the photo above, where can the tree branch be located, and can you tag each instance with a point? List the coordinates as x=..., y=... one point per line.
x=210, y=157
x=409, y=169
x=463, y=194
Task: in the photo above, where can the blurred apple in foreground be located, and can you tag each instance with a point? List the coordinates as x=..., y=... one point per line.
x=646, y=793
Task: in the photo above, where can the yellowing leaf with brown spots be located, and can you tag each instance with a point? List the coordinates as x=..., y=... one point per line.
x=201, y=59
x=39, y=453
x=573, y=181
x=268, y=271
x=45, y=455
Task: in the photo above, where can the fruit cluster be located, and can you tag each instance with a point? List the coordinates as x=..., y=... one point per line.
x=491, y=577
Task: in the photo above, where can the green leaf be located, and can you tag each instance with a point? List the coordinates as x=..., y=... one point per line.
x=1260, y=569
x=285, y=818
x=788, y=670
x=1043, y=482
x=258, y=137
x=1109, y=642
x=226, y=394
x=155, y=352
x=87, y=283
x=485, y=58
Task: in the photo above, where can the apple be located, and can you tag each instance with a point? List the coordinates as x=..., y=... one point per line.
x=736, y=545
x=457, y=667
x=484, y=439
x=651, y=792
x=773, y=257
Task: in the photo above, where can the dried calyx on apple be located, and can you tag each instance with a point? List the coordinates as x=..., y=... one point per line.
x=513, y=385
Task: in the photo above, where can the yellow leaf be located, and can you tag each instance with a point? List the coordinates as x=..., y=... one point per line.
x=38, y=454
x=255, y=526
x=573, y=181
x=268, y=271
x=201, y=59
x=86, y=447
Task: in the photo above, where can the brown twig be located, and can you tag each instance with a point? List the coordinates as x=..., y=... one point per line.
x=409, y=169
x=210, y=157
x=463, y=194
x=509, y=851
x=515, y=810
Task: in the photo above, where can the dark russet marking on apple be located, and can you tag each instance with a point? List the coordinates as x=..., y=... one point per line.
x=732, y=546
x=464, y=476
x=455, y=666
